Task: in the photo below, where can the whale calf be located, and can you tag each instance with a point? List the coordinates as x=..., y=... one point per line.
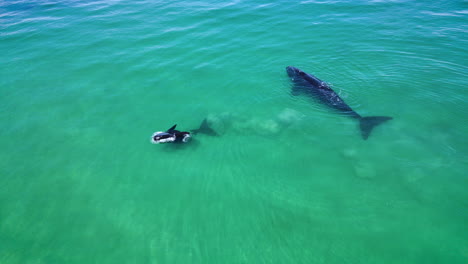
x=311, y=86
x=170, y=135
x=175, y=136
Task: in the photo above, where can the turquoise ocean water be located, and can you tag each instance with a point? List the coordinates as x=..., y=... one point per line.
x=83, y=85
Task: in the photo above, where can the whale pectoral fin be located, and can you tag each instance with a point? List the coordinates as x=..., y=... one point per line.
x=172, y=128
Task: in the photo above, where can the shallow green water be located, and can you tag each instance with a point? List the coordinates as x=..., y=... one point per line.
x=84, y=85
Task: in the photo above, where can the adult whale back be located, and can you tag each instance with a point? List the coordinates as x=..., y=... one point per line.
x=311, y=86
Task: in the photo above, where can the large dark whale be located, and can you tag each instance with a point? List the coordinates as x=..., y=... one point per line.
x=311, y=86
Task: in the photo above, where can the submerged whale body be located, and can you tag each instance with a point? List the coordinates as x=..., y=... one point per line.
x=311, y=86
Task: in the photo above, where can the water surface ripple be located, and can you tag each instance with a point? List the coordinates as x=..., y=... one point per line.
x=85, y=84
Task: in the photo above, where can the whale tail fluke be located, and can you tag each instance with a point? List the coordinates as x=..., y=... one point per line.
x=368, y=123
x=205, y=129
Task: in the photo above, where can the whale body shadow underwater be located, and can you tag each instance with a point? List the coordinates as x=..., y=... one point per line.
x=309, y=85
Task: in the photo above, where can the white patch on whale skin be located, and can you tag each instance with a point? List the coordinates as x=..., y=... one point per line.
x=170, y=139
x=186, y=138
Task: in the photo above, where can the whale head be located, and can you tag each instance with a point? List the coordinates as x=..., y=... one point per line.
x=294, y=72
